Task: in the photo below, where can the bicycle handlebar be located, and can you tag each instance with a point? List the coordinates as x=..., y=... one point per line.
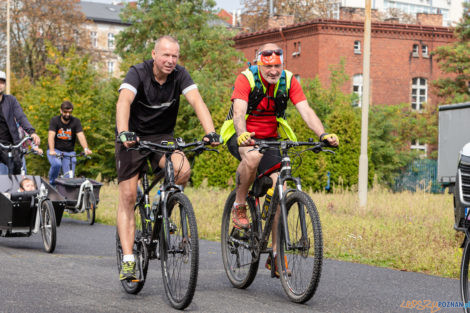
x=262, y=145
x=179, y=144
x=17, y=146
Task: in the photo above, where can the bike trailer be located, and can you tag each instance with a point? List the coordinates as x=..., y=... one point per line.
x=18, y=210
x=58, y=201
x=70, y=188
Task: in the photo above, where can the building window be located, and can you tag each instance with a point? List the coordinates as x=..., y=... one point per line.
x=424, y=51
x=110, y=67
x=297, y=76
x=416, y=145
x=415, y=51
x=357, y=89
x=110, y=41
x=419, y=93
x=296, y=49
x=357, y=47
x=94, y=39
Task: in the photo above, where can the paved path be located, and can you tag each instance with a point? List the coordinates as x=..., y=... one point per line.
x=81, y=276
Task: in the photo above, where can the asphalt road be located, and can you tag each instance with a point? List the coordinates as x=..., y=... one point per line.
x=81, y=276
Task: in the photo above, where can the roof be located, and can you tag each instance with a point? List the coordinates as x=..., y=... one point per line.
x=102, y=12
x=224, y=15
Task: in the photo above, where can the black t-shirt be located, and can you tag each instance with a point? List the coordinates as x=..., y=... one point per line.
x=155, y=107
x=65, y=134
x=5, y=136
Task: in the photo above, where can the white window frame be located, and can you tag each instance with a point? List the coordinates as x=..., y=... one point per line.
x=357, y=47
x=419, y=93
x=415, y=145
x=94, y=39
x=424, y=51
x=415, y=50
x=110, y=67
x=359, y=83
x=111, y=39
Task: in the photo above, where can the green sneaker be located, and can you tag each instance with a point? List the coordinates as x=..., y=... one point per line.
x=127, y=271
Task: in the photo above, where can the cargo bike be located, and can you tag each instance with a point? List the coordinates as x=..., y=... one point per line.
x=80, y=194
x=23, y=213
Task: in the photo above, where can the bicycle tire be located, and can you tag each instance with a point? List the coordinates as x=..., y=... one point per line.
x=464, y=277
x=179, y=254
x=48, y=225
x=238, y=277
x=302, y=276
x=90, y=207
x=141, y=256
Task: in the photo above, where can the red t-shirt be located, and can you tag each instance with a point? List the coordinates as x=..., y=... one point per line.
x=264, y=126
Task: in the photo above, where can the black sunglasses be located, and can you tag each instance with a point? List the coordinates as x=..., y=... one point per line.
x=267, y=53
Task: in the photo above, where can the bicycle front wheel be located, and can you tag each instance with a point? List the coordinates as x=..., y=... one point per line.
x=464, y=284
x=48, y=225
x=179, y=251
x=301, y=261
x=90, y=206
x=240, y=264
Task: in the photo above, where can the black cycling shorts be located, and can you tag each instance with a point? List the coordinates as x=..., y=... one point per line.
x=269, y=159
x=133, y=162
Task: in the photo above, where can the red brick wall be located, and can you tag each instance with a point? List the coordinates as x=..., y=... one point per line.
x=324, y=42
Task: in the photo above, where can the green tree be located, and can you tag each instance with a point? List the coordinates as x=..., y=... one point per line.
x=454, y=59
x=71, y=77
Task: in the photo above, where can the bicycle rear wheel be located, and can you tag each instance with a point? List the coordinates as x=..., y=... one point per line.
x=237, y=246
x=300, y=275
x=90, y=206
x=464, y=283
x=141, y=254
x=179, y=251
x=48, y=225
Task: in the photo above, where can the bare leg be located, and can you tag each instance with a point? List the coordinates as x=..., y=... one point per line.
x=125, y=214
x=181, y=167
x=246, y=172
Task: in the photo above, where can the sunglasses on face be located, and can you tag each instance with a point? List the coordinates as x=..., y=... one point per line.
x=267, y=53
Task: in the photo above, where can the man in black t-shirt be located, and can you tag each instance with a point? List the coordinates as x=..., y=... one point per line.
x=11, y=114
x=147, y=108
x=63, y=131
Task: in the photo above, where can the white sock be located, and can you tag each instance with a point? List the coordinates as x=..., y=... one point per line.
x=235, y=204
x=128, y=258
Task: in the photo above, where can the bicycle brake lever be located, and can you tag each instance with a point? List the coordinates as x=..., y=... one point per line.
x=215, y=150
x=330, y=151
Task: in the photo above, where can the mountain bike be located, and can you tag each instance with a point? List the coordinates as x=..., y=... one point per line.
x=166, y=229
x=299, y=239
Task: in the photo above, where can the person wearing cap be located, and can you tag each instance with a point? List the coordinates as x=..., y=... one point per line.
x=259, y=101
x=11, y=113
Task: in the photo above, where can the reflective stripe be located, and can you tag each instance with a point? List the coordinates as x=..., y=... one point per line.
x=129, y=87
x=189, y=88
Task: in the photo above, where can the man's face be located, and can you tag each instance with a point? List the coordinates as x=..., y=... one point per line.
x=271, y=73
x=3, y=85
x=165, y=56
x=66, y=114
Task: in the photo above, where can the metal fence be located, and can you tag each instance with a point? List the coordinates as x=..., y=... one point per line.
x=420, y=175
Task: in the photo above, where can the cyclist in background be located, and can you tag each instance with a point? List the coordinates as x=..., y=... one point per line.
x=64, y=129
x=147, y=109
x=261, y=93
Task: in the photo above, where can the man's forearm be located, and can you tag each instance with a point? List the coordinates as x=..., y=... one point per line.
x=239, y=123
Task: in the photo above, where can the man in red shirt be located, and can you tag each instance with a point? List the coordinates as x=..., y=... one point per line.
x=263, y=108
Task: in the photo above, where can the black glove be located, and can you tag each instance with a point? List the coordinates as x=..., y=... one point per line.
x=127, y=136
x=213, y=137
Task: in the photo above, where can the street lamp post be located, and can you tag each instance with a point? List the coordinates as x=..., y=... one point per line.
x=363, y=159
x=8, y=48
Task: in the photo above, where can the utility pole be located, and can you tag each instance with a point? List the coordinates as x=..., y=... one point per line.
x=363, y=159
x=8, y=49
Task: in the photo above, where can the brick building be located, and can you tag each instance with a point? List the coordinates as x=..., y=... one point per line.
x=401, y=68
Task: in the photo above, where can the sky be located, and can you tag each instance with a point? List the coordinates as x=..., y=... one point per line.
x=228, y=5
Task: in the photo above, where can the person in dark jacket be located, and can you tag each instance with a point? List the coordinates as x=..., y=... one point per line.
x=11, y=113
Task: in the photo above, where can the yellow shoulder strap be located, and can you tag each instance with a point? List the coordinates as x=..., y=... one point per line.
x=249, y=75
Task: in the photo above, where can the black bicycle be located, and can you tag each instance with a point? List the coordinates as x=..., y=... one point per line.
x=299, y=239
x=166, y=229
